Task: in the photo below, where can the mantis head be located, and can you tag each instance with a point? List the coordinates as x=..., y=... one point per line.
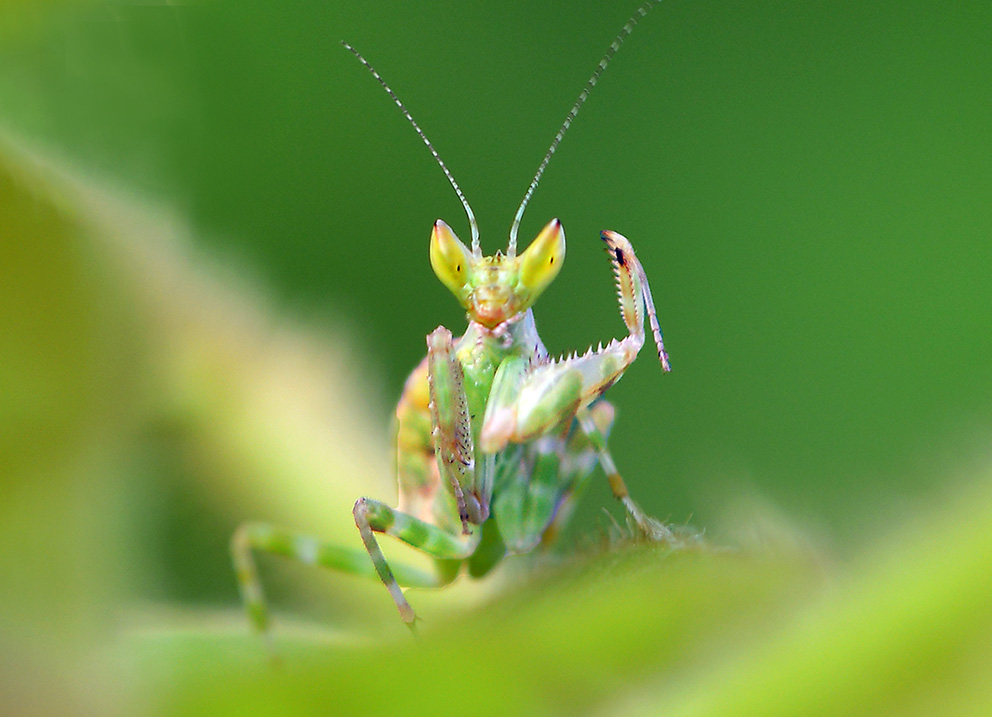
x=494, y=289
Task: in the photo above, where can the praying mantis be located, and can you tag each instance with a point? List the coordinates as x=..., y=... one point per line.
x=495, y=439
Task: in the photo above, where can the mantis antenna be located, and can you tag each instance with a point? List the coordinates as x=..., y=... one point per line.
x=476, y=249
x=511, y=249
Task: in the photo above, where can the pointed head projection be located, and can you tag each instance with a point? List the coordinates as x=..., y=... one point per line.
x=494, y=289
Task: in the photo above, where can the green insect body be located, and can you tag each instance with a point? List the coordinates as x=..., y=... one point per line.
x=495, y=439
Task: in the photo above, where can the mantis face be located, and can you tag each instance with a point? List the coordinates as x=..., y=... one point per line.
x=494, y=289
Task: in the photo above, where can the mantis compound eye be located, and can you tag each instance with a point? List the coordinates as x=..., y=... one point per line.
x=450, y=259
x=542, y=260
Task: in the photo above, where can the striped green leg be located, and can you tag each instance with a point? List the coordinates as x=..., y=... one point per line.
x=372, y=517
x=650, y=528
x=582, y=458
x=530, y=487
x=277, y=540
x=535, y=502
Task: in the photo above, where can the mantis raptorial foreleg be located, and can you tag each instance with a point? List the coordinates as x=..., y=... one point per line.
x=537, y=400
x=452, y=429
x=553, y=391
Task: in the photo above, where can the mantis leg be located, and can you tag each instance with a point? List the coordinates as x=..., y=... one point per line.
x=540, y=484
x=582, y=458
x=278, y=540
x=649, y=527
x=372, y=517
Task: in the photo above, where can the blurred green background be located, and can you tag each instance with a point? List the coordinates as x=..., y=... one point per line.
x=215, y=273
